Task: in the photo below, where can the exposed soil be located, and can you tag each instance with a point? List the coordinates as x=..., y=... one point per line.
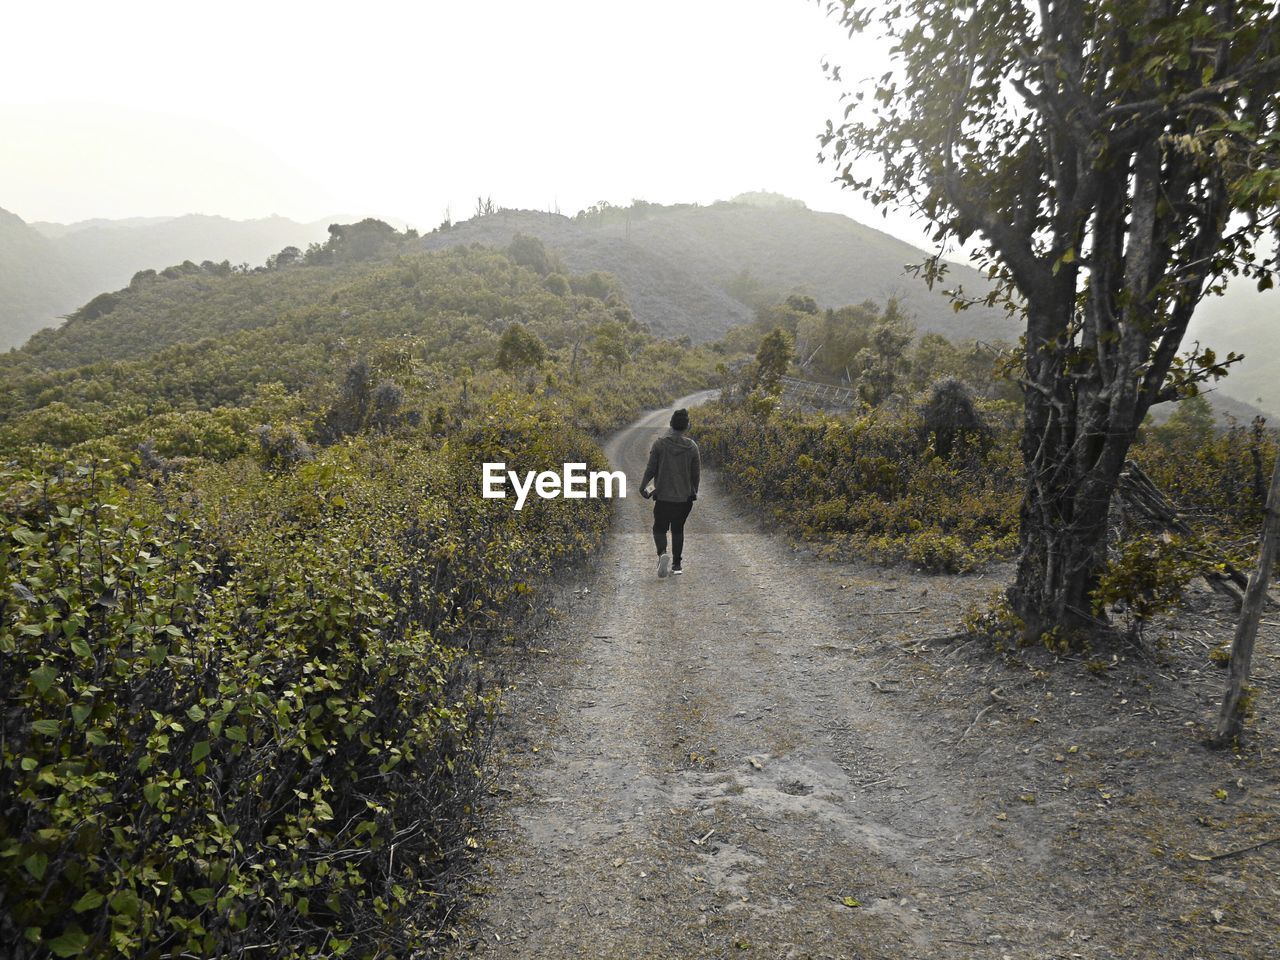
x=782, y=756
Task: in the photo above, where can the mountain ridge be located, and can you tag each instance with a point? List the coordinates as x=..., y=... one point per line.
x=49, y=270
x=697, y=252
x=687, y=270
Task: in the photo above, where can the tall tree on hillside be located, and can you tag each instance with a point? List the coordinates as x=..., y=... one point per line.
x=773, y=358
x=1118, y=160
x=519, y=349
x=609, y=344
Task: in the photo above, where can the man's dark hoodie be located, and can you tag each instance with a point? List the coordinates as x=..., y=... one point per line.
x=674, y=467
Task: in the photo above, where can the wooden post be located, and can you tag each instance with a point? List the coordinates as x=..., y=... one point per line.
x=1230, y=719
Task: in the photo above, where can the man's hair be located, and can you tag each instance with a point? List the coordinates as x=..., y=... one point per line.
x=680, y=419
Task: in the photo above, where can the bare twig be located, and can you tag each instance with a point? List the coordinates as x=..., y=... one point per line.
x=981, y=713
x=1235, y=853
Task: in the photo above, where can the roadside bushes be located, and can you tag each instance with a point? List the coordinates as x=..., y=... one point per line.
x=873, y=484
x=1217, y=481
x=242, y=706
x=1218, y=477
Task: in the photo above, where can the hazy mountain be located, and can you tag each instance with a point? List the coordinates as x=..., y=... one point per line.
x=678, y=265
x=56, y=230
x=47, y=270
x=37, y=281
x=1245, y=321
x=663, y=295
x=113, y=254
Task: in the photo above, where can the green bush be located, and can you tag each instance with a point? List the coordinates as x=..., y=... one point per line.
x=870, y=484
x=1145, y=576
x=1217, y=477
x=240, y=705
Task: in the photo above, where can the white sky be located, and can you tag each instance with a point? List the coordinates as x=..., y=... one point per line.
x=404, y=109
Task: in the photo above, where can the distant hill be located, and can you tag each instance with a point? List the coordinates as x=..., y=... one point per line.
x=681, y=266
x=47, y=270
x=685, y=270
x=664, y=296
x=56, y=230
x=36, y=280
x=1245, y=321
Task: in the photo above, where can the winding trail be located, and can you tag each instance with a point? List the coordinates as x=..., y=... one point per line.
x=705, y=767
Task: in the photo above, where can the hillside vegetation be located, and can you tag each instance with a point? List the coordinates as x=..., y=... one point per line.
x=698, y=271
x=686, y=270
x=248, y=586
x=923, y=467
x=250, y=589
x=37, y=283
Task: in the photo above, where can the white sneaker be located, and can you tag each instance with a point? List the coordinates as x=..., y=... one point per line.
x=664, y=565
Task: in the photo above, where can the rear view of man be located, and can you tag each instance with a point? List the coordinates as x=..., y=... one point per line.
x=674, y=467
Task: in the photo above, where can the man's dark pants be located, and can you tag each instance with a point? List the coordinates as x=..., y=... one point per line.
x=670, y=515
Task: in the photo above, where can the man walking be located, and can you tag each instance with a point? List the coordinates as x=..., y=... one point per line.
x=674, y=467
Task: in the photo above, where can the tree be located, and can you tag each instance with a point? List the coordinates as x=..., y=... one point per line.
x=350, y=408
x=530, y=252
x=1117, y=160
x=609, y=343
x=950, y=420
x=594, y=284
x=367, y=240
x=518, y=349
x=288, y=257
x=1192, y=424
x=774, y=357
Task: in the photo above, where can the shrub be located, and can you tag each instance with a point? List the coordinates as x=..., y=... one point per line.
x=1145, y=576
x=281, y=447
x=950, y=419
x=240, y=706
x=870, y=484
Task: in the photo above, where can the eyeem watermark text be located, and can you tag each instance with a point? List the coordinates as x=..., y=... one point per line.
x=574, y=482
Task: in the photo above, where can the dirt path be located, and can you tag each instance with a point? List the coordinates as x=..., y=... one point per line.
x=729, y=764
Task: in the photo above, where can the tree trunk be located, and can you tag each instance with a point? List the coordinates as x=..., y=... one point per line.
x=1076, y=434
x=1062, y=552
x=1231, y=716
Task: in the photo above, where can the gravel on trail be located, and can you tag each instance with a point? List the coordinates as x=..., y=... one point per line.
x=776, y=755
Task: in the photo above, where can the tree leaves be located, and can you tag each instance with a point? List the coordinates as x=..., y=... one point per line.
x=44, y=676
x=70, y=943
